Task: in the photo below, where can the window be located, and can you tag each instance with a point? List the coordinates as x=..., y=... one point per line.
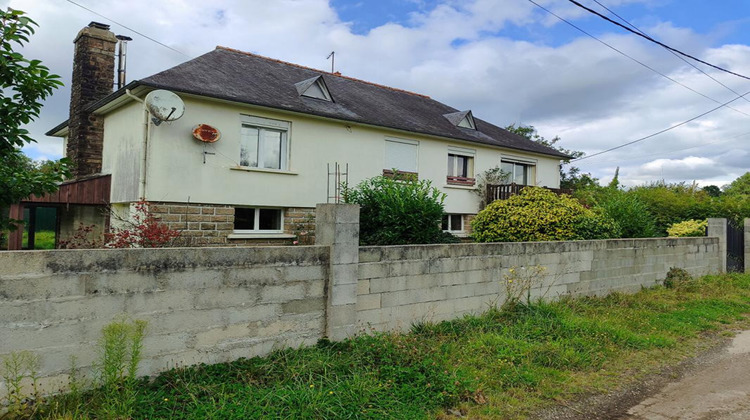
x=314, y=88
x=264, y=143
x=257, y=220
x=460, y=169
x=453, y=223
x=463, y=119
x=518, y=173
x=400, y=155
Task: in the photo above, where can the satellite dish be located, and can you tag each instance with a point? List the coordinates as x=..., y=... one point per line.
x=164, y=105
x=206, y=133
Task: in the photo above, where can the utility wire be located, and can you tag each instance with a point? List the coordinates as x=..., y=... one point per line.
x=644, y=36
x=661, y=131
x=721, y=105
x=130, y=29
x=634, y=59
x=670, y=152
x=670, y=51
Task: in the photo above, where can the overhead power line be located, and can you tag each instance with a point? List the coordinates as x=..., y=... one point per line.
x=129, y=28
x=648, y=38
x=670, y=51
x=684, y=149
x=661, y=131
x=635, y=59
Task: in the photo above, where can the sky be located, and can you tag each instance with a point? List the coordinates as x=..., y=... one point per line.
x=587, y=81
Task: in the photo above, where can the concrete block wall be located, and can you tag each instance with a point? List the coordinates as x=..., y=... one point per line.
x=202, y=305
x=401, y=285
x=208, y=305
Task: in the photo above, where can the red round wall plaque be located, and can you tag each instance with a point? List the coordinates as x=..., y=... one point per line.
x=206, y=133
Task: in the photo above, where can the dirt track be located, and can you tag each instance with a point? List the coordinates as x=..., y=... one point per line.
x=712, y=386
x=719, y=390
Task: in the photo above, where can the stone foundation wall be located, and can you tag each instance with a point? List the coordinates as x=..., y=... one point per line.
x=213, y=225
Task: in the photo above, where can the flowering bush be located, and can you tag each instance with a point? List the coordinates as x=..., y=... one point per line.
x=84, y=237
x=688, y=228
x=537, y=214
x=141, y=230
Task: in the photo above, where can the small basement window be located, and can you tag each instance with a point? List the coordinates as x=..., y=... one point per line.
x=453, y=223
x=258, y=220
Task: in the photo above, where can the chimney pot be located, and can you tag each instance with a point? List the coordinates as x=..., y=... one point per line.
x=99, y=25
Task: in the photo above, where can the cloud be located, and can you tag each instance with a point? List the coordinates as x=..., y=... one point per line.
x=460, y=53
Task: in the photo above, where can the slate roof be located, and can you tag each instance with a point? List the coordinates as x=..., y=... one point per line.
x=252, y=79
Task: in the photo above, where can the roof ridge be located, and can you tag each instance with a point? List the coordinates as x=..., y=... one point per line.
x=337, y=74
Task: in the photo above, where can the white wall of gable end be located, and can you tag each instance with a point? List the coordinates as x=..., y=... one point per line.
x=122, y=151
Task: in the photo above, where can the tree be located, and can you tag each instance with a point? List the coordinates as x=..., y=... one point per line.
x=25, y=84
x=712, y=190
x=740, y=186
x=570, y=177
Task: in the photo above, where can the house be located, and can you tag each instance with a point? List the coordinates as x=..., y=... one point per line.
x=281, y=129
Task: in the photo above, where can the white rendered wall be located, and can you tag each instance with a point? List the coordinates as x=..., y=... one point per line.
x=122, y=154
x=177, y=172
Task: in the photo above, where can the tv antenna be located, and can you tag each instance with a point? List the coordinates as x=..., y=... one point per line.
x=332, y=56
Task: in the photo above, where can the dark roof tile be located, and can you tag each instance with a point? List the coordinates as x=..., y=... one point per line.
x=252, y=79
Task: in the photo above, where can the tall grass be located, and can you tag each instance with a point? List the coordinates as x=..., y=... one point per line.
x=505, y=363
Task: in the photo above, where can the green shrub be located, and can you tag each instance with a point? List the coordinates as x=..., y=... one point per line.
x=537, y=214
x=630, y=213
x=398, y=211
x=688, y=228
x=672, y=203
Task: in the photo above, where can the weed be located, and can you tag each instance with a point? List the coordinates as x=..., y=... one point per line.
x=20, y=368
x=120, y=353
x=677, y=278
x=519, y=281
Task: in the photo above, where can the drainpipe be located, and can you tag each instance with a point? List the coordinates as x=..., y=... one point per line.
x=146, y=136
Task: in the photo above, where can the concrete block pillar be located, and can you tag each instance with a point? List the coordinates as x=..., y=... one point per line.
x=718, y=228
x=747, y=245
x=337, y=226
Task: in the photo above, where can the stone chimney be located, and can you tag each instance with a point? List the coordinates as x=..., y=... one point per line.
x=93, y=78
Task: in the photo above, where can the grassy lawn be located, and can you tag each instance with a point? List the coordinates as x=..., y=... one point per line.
x=502, y=364
x=43, y=239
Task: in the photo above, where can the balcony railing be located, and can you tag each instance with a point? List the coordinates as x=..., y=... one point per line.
x=505, y=191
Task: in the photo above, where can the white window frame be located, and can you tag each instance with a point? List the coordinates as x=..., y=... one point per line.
x=322, y=93
x=268, y=124
x=530, y=164
x=450, y=224
x=256, y=228
x=465, y=153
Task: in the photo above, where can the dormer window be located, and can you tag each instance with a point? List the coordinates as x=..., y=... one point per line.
x=314, y=88
x=462, y=119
